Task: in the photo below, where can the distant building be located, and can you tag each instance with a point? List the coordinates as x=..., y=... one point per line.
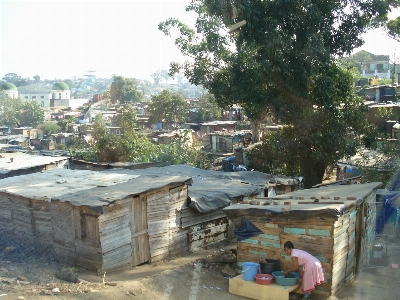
x=42, y=99
x=59, y=96
x=380, y=69
x=9, y=90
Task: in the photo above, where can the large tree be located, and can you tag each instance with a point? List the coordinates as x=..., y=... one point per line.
x=130, y=146
x=49, y=128
x=30, y=114
x=275, y=61
x=15, y=79
x=124, y=90
x=168, y=108
x=9, y=111
x=393, y=28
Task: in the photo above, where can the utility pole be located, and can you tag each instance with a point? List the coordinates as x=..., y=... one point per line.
x=393, y=69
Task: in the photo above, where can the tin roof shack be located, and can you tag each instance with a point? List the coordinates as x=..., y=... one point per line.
x=95, y=220
x=27, y=132
x=213, y=126
x=42, y=144
x=211, y=191
x=16, y=164
x=224, y=141
x=338, y=228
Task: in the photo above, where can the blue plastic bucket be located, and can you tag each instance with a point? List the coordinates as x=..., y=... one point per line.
x=249, y=270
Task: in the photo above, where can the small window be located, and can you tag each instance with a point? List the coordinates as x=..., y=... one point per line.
x=42, y=104
x=117, y=132
x=42, y=97
x=59, y=95
x=26, y=97
x=33, y=97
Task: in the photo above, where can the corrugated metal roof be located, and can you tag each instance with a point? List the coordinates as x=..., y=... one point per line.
x=26, y=161
x=81, y=187
x=302, y=208
x=212, y=190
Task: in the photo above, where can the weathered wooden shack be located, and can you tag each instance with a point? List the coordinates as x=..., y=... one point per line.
x=96, y=220
x=334, y=223
x=211, y=191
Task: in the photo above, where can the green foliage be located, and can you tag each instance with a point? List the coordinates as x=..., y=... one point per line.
x=167, y=107
x=384, y=114
x=208, y=110
x=134, y=147
x=15, y=79
x=159, y=76
x=107, y=95
x=49, y=128
x=127, y=119
x=36, y=78
x=14, y=112
x=284, y=61
x=130, y=146
x=9, y=111
x=75, y=143
x=124, y=90
x=393, y=27
x=63, y=123
x=274, y=155
x=180, y=152
x=30, y=114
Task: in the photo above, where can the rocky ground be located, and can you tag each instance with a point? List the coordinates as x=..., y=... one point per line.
x=33, y=276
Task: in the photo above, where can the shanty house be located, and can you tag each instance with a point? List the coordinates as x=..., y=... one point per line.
x=211, y=191
x=96, y=220
x=334, y=223
x=225, y=141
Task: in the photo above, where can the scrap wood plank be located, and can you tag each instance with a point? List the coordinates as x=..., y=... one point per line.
x=308, y=226
x=158, y=204
x=157, y=227
x=323, y=242
x=157, y=194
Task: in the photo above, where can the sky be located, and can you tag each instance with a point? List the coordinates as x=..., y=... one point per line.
x=60, y=39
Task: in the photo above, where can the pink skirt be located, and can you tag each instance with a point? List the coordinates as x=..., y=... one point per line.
x=313, y=275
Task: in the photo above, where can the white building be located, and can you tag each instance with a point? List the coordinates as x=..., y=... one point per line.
x=9, y=90
x=59, y=96
x=43, y=99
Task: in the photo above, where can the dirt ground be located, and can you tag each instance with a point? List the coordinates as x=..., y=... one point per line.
x=179, y=278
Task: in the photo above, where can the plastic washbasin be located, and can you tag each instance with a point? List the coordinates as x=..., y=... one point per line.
x=281, y=280
x=264, y=279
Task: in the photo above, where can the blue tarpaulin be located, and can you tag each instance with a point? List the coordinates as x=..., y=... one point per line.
x=246, y=230
x=387, y=212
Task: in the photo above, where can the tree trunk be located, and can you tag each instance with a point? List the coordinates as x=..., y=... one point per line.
x=255, y=130
x=312, y=171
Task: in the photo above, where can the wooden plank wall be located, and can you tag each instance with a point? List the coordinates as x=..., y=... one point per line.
x=344, y=251
x=5, y=214
x=88, y=252
x=178, y=237
x=22, y=218
x=62, y=221
x=114, y=229
x=158, y=223
x=41, y=222
x=331, y=241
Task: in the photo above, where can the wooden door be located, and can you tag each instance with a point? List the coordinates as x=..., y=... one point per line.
x=140, y=236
